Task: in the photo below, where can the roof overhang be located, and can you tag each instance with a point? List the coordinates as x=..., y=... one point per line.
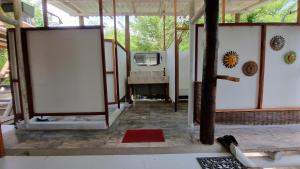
x=145, y=7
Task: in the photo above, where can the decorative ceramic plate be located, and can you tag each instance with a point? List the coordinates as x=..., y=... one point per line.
x=250, y=68
x=277, y=42
x=230, y=59
x=290, y=57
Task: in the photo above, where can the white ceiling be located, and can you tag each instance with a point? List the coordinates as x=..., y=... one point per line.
x=144, y=7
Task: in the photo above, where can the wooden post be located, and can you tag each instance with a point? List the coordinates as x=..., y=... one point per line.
x=2, y=148
x=176, y=56
x=209, y=83
x=128, y=57
x=223, y=10
x=262, y=67
x=45, y=13
x=116, y=50
x=103, y=61
x=164, y=32
x=298, y=12
x=127, y=43
x=237, y=17
x=81, y=20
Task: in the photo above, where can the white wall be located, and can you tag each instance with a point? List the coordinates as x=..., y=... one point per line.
x=66, y=70
x=246, y=42
x=281, y=87
x=109, y=68
x=122, y=67
x=184, y=71
x=170, y=70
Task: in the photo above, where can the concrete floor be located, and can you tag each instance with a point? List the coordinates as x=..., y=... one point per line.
x=179, y=138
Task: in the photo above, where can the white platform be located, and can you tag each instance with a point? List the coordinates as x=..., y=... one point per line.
x=159, y=161
x=96, y=122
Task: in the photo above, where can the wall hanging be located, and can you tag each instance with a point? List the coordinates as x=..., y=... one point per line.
x=290, y=57
x=230, y=59
x=250, y=68
x=277, y=42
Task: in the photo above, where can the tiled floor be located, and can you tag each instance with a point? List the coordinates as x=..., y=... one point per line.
x=160, y=115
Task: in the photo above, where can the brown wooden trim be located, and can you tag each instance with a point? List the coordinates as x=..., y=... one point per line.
x=81, y=20
x=298, y=12
x=110, y=103
x=237, y=17
x=121, y=46
x=283, y=109
x=27, y=73
x=254, y=24
x=103, y=62
x=116, y=51
x=109, y=40
x=69, y=114
x=110, y=72
x=196, y=54
x=62, y=28
x=11, y=80
x=230, y=78
x=262, y=67
x=115, y=71
x=176, y=57
x=45, y=13
x=164, y=32
x=223, y=10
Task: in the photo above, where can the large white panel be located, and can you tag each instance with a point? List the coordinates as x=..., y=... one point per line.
x=184, y=64
x=110, y=88
x=281, y=88
x=109, y=56
x=171, y=71
x=66, y=70
x=246, y=42
x=122, y=67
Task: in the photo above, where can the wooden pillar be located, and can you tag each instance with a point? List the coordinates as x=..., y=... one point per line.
x=298, y=12
x=209, y=83
x=164, y=32
x=128, y=60
x=116, y=50
x=237, y=17
x=81, y=20
x=223, y=10
x=103, y=61
x=45, y=13
x=176, y=56
x=127, y=42
x=2, y=148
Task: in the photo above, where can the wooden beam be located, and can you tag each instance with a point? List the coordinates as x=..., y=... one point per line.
x=298, y=12
x=176, y=56
x=116, y=51
x=223, y=10
x=127, y=42
x=262, y=67
x=209, y=83
x=45, y=13
x=237, y=17
x=81, y=20
x=103, y=61
x=164, y=32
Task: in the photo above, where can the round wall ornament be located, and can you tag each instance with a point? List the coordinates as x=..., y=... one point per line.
x=290, y=57
x=230, y=59
x=277, y=42
x=250, y=68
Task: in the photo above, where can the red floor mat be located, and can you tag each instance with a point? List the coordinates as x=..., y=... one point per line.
x=144, y=136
